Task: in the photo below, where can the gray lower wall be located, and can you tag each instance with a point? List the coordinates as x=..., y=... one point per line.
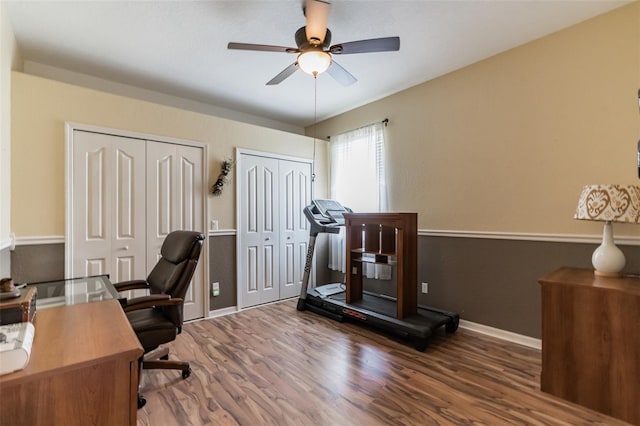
x=44, y=262
x=40, y=262
x=222, y=269
x=5, y=263
x=493, y=282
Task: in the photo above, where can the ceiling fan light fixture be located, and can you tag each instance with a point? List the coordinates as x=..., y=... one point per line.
x=314, y=62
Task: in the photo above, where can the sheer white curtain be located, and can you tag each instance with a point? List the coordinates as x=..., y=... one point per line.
x=358, y=181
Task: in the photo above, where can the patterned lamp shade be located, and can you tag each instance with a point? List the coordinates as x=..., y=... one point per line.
x=610, y=203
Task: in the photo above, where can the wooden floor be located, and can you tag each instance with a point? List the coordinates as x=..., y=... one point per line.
x=273, y=365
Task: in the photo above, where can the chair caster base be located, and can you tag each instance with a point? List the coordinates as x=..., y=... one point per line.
x=186, y=373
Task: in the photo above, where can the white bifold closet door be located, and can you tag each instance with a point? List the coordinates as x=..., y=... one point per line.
x=295, y=194
x=127, y=195
x=109, y=225
x=274, y=233
x=174, y=201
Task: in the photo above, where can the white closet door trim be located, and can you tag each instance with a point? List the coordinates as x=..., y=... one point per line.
x=71, y=126
x=240, y=151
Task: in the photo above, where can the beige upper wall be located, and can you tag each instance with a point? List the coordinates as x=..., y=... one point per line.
x=506, y=144
x=503, y=145
x=9, y=59
x=40, y=108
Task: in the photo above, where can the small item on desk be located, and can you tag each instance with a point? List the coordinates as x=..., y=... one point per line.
x=7, y=289
x=15, y=346
x=19, y=309
x=6, y=284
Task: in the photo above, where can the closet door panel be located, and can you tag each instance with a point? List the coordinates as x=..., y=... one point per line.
x=128, y=239
x=295, y=194
x=259, y=242
x=160, y=169
x=96, y=266
x=189, y=180
x=93, y=209
x=174, y=190
x=91, y=227
x=108, y=216
x=188, y=216
x=125, y=203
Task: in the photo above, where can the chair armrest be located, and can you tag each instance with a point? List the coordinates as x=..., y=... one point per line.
x=151, y=301
x=131, y=285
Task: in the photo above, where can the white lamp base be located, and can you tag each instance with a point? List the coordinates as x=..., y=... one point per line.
x=608, y=260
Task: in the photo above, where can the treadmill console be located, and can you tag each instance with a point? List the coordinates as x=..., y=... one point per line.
x=331, y=210
x=325, y=216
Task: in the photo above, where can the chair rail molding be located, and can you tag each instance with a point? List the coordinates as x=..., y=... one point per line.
x=522, y=236
x=39, y=239
x=558, y=238
x=9, y=242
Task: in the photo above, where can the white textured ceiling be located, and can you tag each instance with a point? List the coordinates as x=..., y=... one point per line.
x=180, y=47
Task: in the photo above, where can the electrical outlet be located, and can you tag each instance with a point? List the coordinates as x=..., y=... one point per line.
x=215, y=289
x=425, y=288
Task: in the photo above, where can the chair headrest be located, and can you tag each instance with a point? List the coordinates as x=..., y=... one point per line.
x=178, y=245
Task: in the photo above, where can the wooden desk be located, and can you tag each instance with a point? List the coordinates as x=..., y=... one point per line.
x=83, y=370
x=591, y=341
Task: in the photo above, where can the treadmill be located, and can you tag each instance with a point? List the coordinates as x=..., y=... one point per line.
x=374, y=310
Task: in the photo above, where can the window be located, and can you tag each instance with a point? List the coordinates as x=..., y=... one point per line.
x=357, y=176
x=357, y=179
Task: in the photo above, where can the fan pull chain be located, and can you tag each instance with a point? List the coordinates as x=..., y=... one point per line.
x=315, y=118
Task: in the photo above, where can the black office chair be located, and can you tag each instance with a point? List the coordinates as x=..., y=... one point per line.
x=157, y=318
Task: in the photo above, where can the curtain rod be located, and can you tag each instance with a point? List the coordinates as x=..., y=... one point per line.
x=384, y=121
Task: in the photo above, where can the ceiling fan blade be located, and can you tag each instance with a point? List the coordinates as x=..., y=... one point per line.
x=385, y=44
x=317, y=14
x=261, y=47
x=340, y=74
x=285, y=73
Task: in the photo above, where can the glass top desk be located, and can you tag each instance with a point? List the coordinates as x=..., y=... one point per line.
x=74, y=291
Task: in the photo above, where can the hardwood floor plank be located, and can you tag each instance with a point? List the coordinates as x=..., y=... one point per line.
x=273, y=365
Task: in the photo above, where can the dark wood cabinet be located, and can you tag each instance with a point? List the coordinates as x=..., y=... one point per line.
x=591, y=341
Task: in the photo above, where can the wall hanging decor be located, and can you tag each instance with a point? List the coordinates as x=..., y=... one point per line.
x=227, y=165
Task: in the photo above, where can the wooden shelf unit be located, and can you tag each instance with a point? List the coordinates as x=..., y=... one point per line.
x=384, y=238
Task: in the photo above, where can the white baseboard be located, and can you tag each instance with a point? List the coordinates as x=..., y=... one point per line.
x=222, y=312
x=235, y=309
x=217, y=313
x=221, y=232
x=502, y=334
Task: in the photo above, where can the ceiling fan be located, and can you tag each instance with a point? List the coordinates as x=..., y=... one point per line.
x=314, y=50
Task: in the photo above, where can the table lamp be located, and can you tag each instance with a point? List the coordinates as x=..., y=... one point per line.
x=609, y=203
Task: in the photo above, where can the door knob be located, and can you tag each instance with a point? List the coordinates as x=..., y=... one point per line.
x=125, y=248
x=267, y=239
